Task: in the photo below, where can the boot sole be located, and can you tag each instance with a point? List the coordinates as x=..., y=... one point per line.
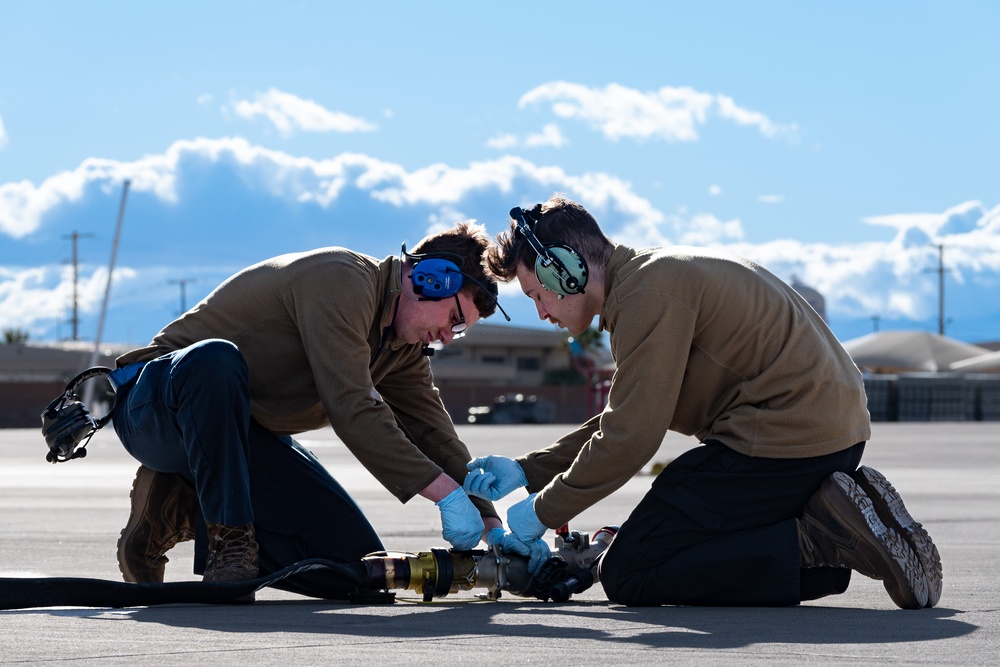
x=907, y=585
x=890, y=508
x=139, y=499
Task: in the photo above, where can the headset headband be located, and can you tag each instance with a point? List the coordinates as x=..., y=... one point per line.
x=558, y=267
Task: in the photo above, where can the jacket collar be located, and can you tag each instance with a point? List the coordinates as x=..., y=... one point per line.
x=390, y=288
x=619, y=257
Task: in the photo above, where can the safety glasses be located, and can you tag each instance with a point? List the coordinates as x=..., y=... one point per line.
x=460, y=326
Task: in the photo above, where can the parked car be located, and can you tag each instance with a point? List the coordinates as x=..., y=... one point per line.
x=514, y=409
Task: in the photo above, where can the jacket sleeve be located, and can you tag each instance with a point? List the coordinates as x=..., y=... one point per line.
x=335, y=337
x=409, y=390
x=651, y=347
x=542, y=465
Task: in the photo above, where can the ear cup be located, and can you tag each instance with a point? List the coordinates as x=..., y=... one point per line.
x=436, y=278
x=561, y=270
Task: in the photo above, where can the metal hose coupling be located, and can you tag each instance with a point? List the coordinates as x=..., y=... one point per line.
x=440, y=572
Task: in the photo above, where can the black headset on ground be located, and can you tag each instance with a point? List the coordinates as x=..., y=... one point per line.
x=558, y=267
x=67, y=424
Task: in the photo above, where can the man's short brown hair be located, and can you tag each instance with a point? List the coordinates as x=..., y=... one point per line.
x=559, y=220
x=468, y=241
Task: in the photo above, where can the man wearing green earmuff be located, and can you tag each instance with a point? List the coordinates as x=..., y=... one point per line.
x=771, y=508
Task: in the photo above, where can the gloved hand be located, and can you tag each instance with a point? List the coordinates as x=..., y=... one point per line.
x=537, y=551
x=499, y=536
x=461, y=522
x=523, y=521
x=493, y=477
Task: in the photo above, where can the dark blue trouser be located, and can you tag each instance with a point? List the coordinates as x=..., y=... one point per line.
x=718, y=528
x=188, y=412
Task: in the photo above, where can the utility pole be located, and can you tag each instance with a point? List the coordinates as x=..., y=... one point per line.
x=75, y=320
x=940, y=270
x=875, y=321
x=183, y=283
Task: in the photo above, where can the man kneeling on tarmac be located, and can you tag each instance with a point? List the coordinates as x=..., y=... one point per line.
x=303, y=341
x=772, y=508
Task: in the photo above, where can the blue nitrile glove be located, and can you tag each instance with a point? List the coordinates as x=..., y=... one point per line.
x=493, y=477
x=499, y=536
x=523, y=522
x=462, y=525
x=537, y=551
x=539, y=554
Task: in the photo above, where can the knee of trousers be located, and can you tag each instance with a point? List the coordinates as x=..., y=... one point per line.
x=213, y=359
x=620, y=577
x=629, y=592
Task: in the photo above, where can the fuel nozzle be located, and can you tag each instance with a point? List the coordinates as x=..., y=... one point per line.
x=440, y=572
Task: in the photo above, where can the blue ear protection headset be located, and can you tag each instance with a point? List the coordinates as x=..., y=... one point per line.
x=558, y=267
x=437, y=276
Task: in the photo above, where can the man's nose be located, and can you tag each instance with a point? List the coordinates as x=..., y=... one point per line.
x=542, y=313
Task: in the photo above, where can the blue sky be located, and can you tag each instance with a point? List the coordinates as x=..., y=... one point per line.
x=837, y=142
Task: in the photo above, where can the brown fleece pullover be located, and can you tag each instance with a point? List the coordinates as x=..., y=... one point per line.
x=311, y=328
x=708, y=346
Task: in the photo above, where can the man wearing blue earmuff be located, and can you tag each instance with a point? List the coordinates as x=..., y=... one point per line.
x=772, y=508
x=295, y=343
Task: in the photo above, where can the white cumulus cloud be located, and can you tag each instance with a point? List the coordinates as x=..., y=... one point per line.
x=888, y=278
x=290, y=113
x=728, y=109
x=897, y=279
x=3, y=134
x=670, y=113
x=503, y=141
x=961, y=218
x=550, y=137
x=24, y=205
x=35, y=295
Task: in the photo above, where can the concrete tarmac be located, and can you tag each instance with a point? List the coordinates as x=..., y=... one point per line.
x=64, y=520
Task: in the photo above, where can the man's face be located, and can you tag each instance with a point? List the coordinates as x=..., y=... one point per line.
x=427, y=321
x=572, y=313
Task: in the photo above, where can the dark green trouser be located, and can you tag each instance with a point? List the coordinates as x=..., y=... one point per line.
x=718, y=528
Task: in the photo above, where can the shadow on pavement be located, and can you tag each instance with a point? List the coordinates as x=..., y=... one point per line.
x=655, y=627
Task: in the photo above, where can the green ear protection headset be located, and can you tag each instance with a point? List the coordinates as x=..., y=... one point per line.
x=558, y=267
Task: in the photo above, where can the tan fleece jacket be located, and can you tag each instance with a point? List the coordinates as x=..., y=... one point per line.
x=308, y=325
x=708, y=346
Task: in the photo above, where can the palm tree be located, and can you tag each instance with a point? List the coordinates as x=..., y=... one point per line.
x=15, y=336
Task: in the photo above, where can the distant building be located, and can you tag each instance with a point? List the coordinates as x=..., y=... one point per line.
x=33, y=374
x=812, y=297
x=489, y=361
x=492, y=360
x=497, y=355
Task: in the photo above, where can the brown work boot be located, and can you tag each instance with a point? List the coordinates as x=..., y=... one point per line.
x=891, y=510
x=839, y=528
x=232, y=554
x=164, y=508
